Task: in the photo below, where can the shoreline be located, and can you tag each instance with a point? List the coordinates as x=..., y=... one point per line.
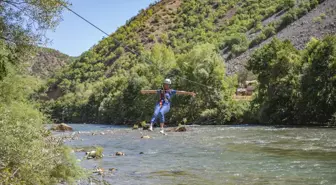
x=193, y=125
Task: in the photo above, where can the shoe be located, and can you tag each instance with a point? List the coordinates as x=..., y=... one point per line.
x=162, y=131
x=150, y=128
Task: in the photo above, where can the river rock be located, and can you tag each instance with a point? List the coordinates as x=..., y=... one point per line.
x=135, y=127
x=112, y=169
x=170, y=130
x=62, y=127
x=120, y=154
x=181, y=129
x=91, y=155
x=145, y=127
x=100, y=171
x=145, y=137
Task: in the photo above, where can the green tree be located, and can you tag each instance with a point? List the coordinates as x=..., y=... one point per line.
x=214, y=90
x=318, y=83
x=277, y=66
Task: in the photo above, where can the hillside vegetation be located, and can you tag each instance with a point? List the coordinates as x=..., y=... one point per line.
x=45, y=62
x=176, y=39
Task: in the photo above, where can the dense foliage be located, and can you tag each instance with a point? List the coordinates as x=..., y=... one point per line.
x=28, y=152
x=103, y=84
x=296, y=87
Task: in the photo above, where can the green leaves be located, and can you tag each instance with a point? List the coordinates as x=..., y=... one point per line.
x=276, y=64
x=26, y=147
x=318, y=80
x=296, y=87
x=203, y=65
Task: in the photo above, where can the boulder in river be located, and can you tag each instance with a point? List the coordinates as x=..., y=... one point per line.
x=145, y=137
x=120, y=154
x=135, y=127
x=112, y=169
x=100, y=171
x=181, y=129
x=98, y=153
x=145, y=127
x=91, y=154
x=62, y=127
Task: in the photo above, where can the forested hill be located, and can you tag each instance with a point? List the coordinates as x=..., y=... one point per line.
x=171, y=36
x=44, y=62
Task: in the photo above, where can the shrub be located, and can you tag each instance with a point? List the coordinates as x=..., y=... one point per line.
x=238, y=49
x=269, y=31
x=287, y=19
x=317, y=20
x=289, y=3
x=28, y=153
x=261, y=37
x=119, y=51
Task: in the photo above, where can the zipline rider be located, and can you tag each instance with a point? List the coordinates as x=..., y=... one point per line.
x=163, y=105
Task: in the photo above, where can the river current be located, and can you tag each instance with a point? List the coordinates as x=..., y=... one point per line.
x=212, y=155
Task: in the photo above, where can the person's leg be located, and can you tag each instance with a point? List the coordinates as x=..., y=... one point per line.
x=162, y=113
x=155, y=115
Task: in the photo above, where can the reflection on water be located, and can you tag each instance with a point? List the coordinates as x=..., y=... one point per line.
x=214, y=155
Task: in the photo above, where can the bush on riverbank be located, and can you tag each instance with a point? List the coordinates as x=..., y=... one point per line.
x=296, y=86
x=28, y=153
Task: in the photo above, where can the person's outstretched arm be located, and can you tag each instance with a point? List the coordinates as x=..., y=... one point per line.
x=148, y=91
x=186, y=93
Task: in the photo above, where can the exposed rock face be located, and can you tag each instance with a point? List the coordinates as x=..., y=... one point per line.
x=299, y=33
x=181, y=129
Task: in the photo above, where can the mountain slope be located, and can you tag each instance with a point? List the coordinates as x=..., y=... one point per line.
x=47, y=61
x=180, y=25
x=318, y=23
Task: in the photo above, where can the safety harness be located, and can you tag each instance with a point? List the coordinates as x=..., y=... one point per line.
x=162, y=97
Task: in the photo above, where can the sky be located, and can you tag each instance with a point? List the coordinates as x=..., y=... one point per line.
x=73, y=36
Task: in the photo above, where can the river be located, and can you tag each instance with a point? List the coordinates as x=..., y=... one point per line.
x=213, y=155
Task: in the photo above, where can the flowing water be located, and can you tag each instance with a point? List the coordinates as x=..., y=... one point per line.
x=213, y=155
